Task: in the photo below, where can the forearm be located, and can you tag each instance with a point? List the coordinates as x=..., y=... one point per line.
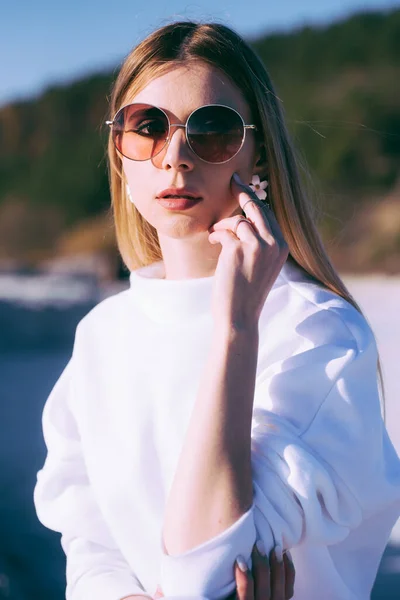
x=212, y=487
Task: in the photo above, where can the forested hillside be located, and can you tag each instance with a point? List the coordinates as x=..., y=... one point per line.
x=340, y=90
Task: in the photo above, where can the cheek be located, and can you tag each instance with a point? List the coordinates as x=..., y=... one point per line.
x=223, y=203
x=139, y=187
x=245, y=161
x=133, y=172
x=245, y=170
x=241, y=164
x=140, y=182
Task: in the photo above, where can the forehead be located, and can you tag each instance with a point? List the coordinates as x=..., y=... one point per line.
x=183, y=88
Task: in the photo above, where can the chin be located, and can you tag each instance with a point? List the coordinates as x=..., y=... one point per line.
x=180, y=226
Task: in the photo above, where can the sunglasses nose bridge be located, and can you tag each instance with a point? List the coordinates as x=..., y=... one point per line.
x=172, y=125
x=171, y=132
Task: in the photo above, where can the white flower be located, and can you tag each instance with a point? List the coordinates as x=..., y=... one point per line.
x=259, y=186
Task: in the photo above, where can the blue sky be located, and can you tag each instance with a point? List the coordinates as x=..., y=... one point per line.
x=43, y=42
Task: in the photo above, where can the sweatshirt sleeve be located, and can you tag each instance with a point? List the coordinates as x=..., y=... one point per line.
x=316, y=420
x=64, y=502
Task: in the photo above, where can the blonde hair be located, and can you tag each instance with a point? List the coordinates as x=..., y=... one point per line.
x=182, y=42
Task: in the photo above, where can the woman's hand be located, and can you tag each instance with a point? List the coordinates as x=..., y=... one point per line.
x=249, y=262
x=268, y=579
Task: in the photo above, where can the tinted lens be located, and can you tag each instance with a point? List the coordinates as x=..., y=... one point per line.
x=215, y=133
x=140, y=131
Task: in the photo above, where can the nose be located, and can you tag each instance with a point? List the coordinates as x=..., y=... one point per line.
x=177, y=154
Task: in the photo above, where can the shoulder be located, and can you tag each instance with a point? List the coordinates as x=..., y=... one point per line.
x=105, y=319
x=302, y=308
x=310, y=338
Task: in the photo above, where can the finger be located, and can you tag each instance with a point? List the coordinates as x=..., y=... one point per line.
x=264, y=220
x=247, y=230
x=244, y=582
x=228, y=223
x=290, y=573
x=226, y=237
x=261, y=575
x=253, y=210
x=277, y=574
x=267, y=213
x=272, y=221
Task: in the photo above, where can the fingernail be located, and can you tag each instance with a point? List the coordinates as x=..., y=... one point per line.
x=242, y=564
x=278, y=553
x=261, y=548
x=289, y=555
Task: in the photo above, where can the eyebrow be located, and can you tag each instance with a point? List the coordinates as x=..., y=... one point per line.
x=142, y=112
x=153, y=107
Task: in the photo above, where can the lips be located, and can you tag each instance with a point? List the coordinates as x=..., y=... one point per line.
x=180, y=203
x=181, y=196
x=182, y=192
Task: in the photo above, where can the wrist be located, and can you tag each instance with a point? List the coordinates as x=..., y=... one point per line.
x=231, y=332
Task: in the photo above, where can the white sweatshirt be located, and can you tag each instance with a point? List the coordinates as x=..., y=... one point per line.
x=326, y=478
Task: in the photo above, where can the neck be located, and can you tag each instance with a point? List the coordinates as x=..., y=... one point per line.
x=189, y=258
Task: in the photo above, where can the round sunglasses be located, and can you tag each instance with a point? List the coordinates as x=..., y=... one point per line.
x=214, y=132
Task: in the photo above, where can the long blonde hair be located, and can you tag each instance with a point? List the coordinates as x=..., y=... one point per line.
x=178, y=44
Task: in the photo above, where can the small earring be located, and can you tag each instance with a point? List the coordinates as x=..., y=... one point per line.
x=259, y=187
x=128, y=192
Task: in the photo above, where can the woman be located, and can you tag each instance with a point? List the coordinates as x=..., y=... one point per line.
x=230, y=394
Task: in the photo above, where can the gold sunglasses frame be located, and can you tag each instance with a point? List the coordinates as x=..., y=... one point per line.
x=170, y=125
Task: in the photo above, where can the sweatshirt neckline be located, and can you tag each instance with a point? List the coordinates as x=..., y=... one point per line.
x=170, y=300
x=173, y=300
